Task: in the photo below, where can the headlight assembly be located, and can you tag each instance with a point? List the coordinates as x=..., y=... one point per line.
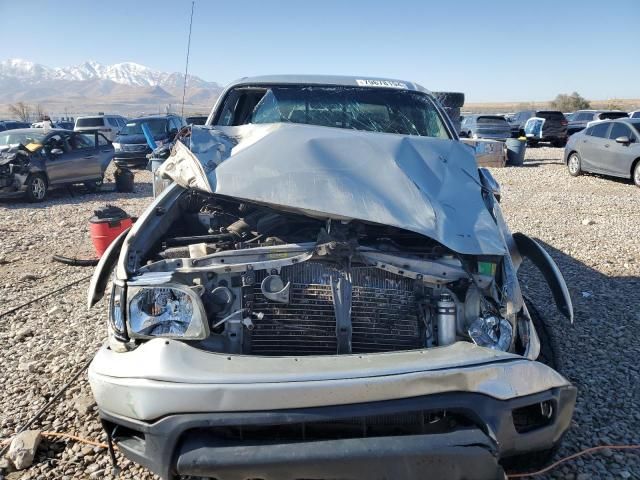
x=116, y=146
x=170, y=310
x=116, y=312
x=491, y=332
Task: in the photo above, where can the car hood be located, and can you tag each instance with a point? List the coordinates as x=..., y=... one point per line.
x=426, y=185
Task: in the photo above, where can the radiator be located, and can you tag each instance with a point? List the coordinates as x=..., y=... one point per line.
x=383, y=315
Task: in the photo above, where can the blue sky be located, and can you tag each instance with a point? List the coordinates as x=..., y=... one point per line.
x=492, y=50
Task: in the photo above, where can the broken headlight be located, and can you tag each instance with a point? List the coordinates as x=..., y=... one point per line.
x=166, y=311
x=491, y=332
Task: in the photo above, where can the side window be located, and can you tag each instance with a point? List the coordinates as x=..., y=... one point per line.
x=226, y=117
x=600, y=130
x=102, y=140
x=80, y=141
x=619, y=130
x=56, y=141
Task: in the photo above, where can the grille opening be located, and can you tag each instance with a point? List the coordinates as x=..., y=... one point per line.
x=409, y=423
x=384, y=314
x=532, y=417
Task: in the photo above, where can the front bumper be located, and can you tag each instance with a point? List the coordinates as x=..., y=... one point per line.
x=13, y=186
x=131, y=159
x=179, y=410
x=285, y=444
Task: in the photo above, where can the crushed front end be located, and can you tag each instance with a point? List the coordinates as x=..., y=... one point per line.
x=15, y=166
x=257, y=330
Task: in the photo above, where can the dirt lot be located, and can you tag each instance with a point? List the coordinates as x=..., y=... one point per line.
x=590, y=225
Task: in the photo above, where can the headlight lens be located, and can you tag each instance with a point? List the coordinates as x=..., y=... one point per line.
x=166, y=311
x=491, y=332
x=116, y=146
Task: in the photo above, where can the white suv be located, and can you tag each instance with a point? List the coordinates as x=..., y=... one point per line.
x=108, y=125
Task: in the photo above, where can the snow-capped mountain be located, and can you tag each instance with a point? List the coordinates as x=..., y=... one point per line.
x=91, y=83
x=126, y=73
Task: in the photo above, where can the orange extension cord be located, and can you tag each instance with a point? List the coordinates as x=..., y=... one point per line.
x=575, y=455
x=514, y=475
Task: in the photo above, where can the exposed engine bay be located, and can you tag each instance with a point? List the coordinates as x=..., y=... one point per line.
x=272, y=282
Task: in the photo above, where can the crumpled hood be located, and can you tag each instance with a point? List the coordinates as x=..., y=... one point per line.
x=426, y=185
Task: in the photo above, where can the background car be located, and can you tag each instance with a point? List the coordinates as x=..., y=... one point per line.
x=581, y=118
x=12, y=125
x=494, y=127
x=555, y=125
x=608, y=147
x=108, y=125
x=32, y=161
x=196, y=120
x=635, y=114
x=553, y=128
x=131, y=147
x=64, y=125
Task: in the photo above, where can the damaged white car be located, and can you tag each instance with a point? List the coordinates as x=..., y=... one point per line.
x=326, y=290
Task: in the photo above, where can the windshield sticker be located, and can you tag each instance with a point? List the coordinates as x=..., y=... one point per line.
x=381, y=83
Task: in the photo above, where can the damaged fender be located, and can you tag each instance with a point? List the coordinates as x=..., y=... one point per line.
x=532, y=250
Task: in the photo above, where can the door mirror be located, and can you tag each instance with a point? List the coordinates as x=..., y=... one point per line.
x=623, y=140
x=56, y=151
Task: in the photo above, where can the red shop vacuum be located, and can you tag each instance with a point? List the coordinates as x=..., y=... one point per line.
x=106, y=224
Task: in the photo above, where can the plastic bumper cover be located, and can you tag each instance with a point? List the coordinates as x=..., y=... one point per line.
x=192, y=444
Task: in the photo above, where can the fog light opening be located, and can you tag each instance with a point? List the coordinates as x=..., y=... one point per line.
x=534, y=416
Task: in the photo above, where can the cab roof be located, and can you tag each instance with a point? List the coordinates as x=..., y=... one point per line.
x=334, y=80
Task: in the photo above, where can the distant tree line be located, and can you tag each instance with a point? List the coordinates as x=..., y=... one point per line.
x=25, y=112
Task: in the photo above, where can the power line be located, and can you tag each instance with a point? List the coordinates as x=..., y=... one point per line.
x=186, y=68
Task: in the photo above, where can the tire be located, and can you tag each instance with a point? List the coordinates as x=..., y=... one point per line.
x=636, y=174
x=92, y=186
x=574, y=164
x=36, y=188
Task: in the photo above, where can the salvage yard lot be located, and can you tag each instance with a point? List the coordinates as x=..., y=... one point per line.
x=590, y=225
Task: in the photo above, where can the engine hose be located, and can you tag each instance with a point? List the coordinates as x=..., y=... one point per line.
x=76, y=262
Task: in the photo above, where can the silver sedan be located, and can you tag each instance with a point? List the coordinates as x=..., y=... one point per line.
x=608, y=148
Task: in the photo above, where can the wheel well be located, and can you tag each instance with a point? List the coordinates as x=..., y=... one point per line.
x=41, y=174
x=566, y=162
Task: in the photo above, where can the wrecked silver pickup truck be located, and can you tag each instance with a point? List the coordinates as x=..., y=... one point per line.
x=326, y=290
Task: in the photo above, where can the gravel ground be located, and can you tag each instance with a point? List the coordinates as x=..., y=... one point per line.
x=590, y=225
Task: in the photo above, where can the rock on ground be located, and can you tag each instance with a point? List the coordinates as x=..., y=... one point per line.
x=23, y=448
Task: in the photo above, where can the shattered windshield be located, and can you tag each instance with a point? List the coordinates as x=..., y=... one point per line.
x=375, y=110
x=14, y=138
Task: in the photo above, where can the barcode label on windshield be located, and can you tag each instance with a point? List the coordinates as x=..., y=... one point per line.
x=381, y=83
